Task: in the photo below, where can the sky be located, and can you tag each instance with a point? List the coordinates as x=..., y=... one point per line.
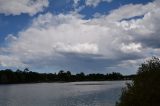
x=91, y=36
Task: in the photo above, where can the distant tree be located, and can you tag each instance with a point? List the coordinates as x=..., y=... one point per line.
x=26, y=70
x=61, y=72
x=26, y=76
x=63, y=76
x=18, y=71
x=68, y=73
x=145, y=87
x=80, y=76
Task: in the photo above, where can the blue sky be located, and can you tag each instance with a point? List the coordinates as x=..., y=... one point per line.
x=78, y=35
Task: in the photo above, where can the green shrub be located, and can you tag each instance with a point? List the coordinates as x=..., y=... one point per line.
x=144, y=90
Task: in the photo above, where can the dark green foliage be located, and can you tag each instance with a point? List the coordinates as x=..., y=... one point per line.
x=145, y=87
x=8, y=76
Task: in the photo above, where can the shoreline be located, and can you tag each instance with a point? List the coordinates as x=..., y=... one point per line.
x=59, y=82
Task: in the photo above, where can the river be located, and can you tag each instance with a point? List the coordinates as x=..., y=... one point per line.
x=102, y=93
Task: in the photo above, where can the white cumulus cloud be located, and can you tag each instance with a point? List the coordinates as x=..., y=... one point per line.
x=17, y=7
x=94, y=3
x=68, y=41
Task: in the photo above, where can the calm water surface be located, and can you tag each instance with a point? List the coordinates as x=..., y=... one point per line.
x=104, y=93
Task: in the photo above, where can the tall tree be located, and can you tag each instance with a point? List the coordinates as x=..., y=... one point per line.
x=145, y=87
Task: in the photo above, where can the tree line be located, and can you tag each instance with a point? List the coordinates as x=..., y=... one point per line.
x=9, y=76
